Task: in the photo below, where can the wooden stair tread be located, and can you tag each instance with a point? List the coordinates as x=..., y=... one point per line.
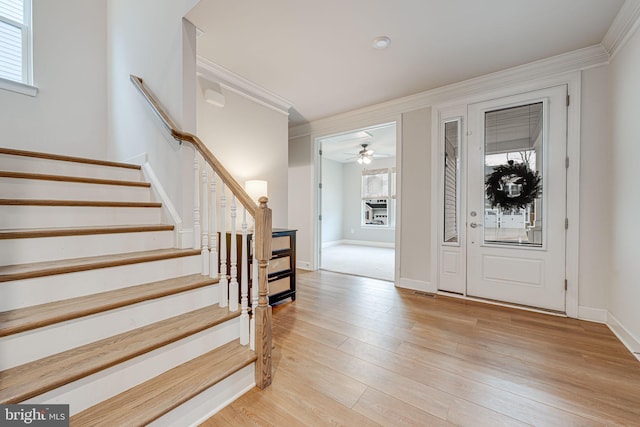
x=150, y=400
x=48, y=268
x=37, y=316
x=89, y=203
x=31, y=379
x=50, y=156
x=25, y=233
x=66, y=178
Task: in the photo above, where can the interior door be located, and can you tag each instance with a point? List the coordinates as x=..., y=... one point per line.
x=516, y=199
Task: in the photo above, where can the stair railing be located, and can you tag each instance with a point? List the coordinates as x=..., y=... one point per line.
x=211, y=181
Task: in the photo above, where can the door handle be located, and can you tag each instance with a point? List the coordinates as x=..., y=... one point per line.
x=474, y=225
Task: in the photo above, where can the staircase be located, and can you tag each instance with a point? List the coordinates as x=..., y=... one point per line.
x=99, y=309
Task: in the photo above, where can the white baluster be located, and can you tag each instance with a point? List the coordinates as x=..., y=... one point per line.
x=196, y=201
x=224, y=283
x=205, y=223
x=244, y=285
x=233, y=283
x=213, y=230
x=254, y=294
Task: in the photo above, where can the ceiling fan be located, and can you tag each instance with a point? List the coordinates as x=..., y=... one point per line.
x=365, y=155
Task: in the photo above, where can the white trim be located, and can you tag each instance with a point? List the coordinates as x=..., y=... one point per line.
x=303, y=265
x=624, y=25
x=238, y=84
x=580, y=59
x=498, y=303
x=398, y=198
x=598, y=315
x=367, y=243
x=416, y=285
x=18, y=87
x=627, y=338
x=572, y=248
x=331, y=243
x=184, y=238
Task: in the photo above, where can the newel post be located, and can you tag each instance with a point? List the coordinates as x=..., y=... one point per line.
x=263, y=311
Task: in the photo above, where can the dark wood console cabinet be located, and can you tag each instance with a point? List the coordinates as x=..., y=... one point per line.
x=282, y=266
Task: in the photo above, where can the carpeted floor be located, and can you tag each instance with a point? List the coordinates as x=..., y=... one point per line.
x=367, y=261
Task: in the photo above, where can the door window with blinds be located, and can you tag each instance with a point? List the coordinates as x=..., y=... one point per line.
x=451, y=180
x=15, y=20
x=377, y=194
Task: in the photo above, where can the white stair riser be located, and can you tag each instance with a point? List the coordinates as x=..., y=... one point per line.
x=57, y=167
x=41, y=290
x=197, y=410
x=42, y=342
x=70, y=216
x=12, y=188
x=23, y=251
x=95, y=388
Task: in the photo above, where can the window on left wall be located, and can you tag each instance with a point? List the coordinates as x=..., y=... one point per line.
x=15, y=42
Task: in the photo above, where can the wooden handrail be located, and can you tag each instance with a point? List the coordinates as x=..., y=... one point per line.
x=197, y=143
x=263, y=226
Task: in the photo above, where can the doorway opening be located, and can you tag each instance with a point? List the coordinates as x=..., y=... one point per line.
x=357, y=202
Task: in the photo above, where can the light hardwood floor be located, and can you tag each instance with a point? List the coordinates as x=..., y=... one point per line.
x=353, y=351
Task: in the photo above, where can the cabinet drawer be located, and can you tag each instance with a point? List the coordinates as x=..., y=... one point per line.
x=280, y=285
x=277, y=265
x=280, y=243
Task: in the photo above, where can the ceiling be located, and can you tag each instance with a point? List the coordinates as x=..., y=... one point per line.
x=319, y=55
x=344, y=148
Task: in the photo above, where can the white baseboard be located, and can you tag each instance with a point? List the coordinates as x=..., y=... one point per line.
x=303, y=265
x=331, y=243
x=416, y=285
x=591, y=314
x=366, y=243
x=627, y=338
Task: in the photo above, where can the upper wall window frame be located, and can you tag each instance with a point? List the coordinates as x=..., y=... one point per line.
x=22, y=83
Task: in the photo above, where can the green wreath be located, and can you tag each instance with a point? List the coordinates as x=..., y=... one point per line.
x=512, y=186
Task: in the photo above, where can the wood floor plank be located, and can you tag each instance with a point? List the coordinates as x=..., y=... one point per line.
x=444, y=359
x=389, y=411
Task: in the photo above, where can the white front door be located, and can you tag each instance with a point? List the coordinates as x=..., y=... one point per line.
x=515, y=242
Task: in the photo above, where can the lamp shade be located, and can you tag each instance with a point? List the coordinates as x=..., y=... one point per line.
x=256, y=188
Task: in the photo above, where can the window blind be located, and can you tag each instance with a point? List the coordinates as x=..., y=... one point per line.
x=13, y=43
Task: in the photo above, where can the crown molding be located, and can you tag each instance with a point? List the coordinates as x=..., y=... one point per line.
x=624, y=25
x=229, y=80
x=576, y=60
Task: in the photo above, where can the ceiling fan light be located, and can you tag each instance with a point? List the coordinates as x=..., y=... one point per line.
x=359, y=160
x=366, y=160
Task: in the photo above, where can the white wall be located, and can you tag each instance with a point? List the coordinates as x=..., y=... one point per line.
x=352, y=204
x=301, y=198
x=625, y=197
x=147, y=38
x=68, y=116
x=251, y=141
x=595, y=190
x=333, y=194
